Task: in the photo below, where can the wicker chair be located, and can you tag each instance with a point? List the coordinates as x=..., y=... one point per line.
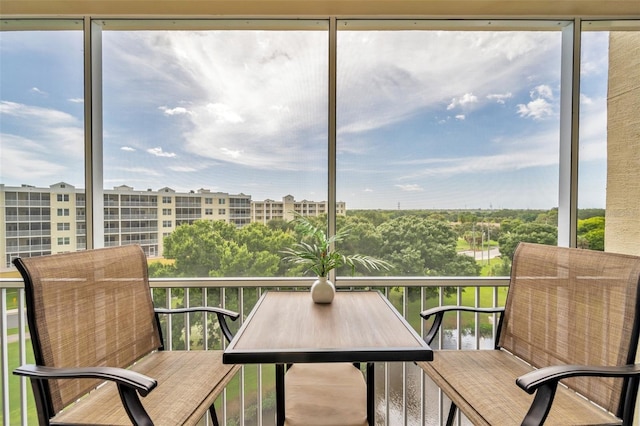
x=98, y=344
x=571, y=315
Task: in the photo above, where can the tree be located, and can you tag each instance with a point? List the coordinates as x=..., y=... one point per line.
x=532, y=232
x=197, y=248
x=420, y=246
x=258, y=237
x=591, y=233
x=363, y=236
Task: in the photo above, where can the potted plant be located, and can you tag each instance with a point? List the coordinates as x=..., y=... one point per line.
x=316, y=253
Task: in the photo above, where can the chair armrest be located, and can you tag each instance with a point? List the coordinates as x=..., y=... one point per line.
x=231, y=314
x=143, y=384
x=128, y=383
x=545, y=382
x=531, y=381
x=221, y=313
x=439, y=314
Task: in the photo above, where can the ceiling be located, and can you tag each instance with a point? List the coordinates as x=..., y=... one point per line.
x=321, y=8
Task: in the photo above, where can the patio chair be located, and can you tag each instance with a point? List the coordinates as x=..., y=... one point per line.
x=568, y=334
x=327, y=394
x=98, y=345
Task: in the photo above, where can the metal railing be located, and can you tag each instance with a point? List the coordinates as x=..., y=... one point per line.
x=404, y=395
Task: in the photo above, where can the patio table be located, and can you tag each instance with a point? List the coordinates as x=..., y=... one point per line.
x=286, y=327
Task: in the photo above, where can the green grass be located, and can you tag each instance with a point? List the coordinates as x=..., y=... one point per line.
x=12, y=298
x=14, y=387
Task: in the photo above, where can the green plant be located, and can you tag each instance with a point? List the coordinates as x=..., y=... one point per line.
x=316, y=251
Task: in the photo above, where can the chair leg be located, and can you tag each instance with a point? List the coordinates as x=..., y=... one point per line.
x=214, y=416
x=452, y=414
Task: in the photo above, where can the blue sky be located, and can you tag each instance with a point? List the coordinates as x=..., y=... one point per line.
x=426, y=119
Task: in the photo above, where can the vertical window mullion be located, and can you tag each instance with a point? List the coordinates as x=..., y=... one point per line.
x=93, y=134
x=331, y=204
x=569, y=122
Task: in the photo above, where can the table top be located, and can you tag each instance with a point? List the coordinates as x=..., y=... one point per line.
x=358, y=326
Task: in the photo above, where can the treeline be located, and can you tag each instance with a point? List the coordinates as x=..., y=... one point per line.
x=415, y=242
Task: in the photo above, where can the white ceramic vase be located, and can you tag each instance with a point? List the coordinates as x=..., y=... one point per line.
x=323, y=290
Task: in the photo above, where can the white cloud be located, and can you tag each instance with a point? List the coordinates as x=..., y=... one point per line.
x=235, y=154
x=368, y=190
x=76, y=100
x=542, y=91
x=38, y=91
x=537, y=109
x=159, y=152
x=127, y=148
x=460, y=117
x=36, y=114
x=262, y=103
x=593, y=130
x=183, y=169
x=466, y=99
x=223, y=114
x=518, y=153
x=500, y=97
x=585, y=100
x=144, y=171
x=410, y=187
x=23, y=159
x=50, y=144
x=174, y=111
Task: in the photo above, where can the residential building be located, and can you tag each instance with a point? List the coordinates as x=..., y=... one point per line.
x=264, y=211
x=50, y=220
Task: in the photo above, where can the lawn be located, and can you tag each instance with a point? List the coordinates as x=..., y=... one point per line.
x=14, y=386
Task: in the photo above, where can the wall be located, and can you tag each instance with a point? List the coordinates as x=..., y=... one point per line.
x=622, y=229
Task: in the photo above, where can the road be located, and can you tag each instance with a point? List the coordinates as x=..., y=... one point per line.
x=482, y=255
x=12, y=322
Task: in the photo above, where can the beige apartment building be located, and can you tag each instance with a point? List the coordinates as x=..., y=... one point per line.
x=264, y=211
x=39, y=221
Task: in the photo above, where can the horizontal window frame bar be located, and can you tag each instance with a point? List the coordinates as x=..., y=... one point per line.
x=611, y=25
x=226, y=24
x=453, y=24
x=45, y=24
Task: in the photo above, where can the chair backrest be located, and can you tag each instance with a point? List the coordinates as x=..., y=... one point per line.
x=574, y=306
x=88, y=308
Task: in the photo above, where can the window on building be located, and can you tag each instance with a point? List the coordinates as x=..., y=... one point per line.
x=222, y=212
x=63, y=212
x=166, y=200
x=64, y=226
x=63, y=197
x=166, y=212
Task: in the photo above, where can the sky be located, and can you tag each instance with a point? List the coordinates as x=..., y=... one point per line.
x=425, y=119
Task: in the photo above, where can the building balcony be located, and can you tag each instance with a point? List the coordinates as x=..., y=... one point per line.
x=404, y=395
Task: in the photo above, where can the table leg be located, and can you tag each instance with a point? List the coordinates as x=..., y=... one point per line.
x=280, y=369
x=371, y=394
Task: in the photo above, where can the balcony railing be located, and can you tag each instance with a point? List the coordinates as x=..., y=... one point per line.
x=404, y=395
